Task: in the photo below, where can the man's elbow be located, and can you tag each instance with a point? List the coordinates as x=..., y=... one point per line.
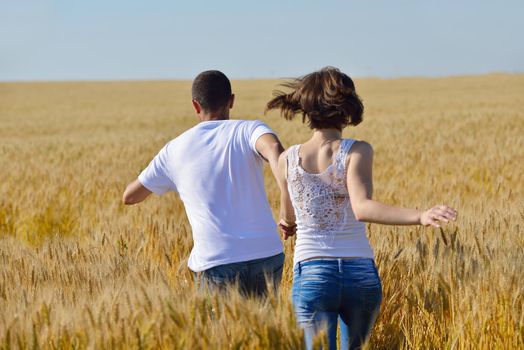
x=279, y=149
x=275, y=149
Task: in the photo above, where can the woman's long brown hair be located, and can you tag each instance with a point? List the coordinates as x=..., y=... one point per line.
x=326, y=99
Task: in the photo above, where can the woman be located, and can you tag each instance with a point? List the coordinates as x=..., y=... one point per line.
x=326, y=184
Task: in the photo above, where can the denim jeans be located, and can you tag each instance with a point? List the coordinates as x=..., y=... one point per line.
x=326, y=290
x=251, y=276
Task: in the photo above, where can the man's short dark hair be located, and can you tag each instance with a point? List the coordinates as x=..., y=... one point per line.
x=212, y=90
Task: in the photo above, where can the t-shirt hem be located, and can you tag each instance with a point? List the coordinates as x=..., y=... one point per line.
x=249, y=257
x=256, y=136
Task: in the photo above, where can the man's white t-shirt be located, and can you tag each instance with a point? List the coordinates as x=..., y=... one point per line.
x=217, y=171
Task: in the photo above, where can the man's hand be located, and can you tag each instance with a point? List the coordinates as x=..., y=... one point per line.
x=135, y=193
x=287, y=229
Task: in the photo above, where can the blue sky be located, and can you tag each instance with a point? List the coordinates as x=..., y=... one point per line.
x=153, y=39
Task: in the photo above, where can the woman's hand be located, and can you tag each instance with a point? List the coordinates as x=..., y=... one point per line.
x=437, y=214
x=287, y=229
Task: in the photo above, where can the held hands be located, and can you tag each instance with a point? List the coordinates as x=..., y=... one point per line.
x=287, y=229
x=438, y=214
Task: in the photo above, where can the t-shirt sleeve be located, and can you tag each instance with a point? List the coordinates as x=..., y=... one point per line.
x=258, y=129
x=156, y=177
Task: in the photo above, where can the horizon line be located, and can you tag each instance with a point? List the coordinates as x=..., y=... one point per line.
x=137, y=80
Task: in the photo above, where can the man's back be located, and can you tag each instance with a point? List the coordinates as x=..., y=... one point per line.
x=217, y=172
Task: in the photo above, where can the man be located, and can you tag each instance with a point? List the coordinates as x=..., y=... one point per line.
x=216, y=168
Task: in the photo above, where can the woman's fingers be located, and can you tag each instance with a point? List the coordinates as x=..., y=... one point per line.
x=287, y=235
x=438, y=214
x=441, y=218
x=441, y=213
x=287, y=229
x=446, y=212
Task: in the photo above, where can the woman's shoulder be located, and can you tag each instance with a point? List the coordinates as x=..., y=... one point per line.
x=359, y=149
x=289, y=151
x=290, y=155
x=359, y=145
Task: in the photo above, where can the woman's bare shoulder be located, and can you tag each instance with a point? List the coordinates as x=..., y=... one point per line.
x=282, y=159
x=362, y=148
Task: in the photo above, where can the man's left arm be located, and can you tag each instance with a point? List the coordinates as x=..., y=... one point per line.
x=270, y=148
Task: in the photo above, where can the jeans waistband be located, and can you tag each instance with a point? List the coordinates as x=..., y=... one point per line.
x=331, y=261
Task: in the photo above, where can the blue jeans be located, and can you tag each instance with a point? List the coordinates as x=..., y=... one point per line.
x=251, y=276
x=325, y=290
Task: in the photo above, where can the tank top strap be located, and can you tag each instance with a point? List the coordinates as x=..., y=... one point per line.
x=292, y=158
x=340, y=160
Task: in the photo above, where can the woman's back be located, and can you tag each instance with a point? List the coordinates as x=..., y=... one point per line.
x=317, y=156
x=326, y=225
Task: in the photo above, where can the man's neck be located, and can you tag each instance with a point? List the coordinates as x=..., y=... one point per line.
x=205, y=117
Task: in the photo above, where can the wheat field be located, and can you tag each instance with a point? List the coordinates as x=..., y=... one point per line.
x=79, y=270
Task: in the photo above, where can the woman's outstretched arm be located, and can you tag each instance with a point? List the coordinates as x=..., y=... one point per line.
x=360, y=187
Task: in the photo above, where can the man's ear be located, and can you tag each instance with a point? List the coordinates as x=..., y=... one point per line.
x=196, y=106
x=231, y=101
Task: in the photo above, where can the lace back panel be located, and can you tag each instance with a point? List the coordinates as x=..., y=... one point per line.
x=321, y=201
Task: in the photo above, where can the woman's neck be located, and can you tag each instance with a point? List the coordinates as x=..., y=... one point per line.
x=326, y=135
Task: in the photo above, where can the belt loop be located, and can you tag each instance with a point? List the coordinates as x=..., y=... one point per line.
x=300, y=267
x=339, y=265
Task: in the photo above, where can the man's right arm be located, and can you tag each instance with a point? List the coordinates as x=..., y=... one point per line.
x=153, y=179
x=134, y=193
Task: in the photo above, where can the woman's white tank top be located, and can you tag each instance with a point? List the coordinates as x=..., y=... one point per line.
x=326, y=225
